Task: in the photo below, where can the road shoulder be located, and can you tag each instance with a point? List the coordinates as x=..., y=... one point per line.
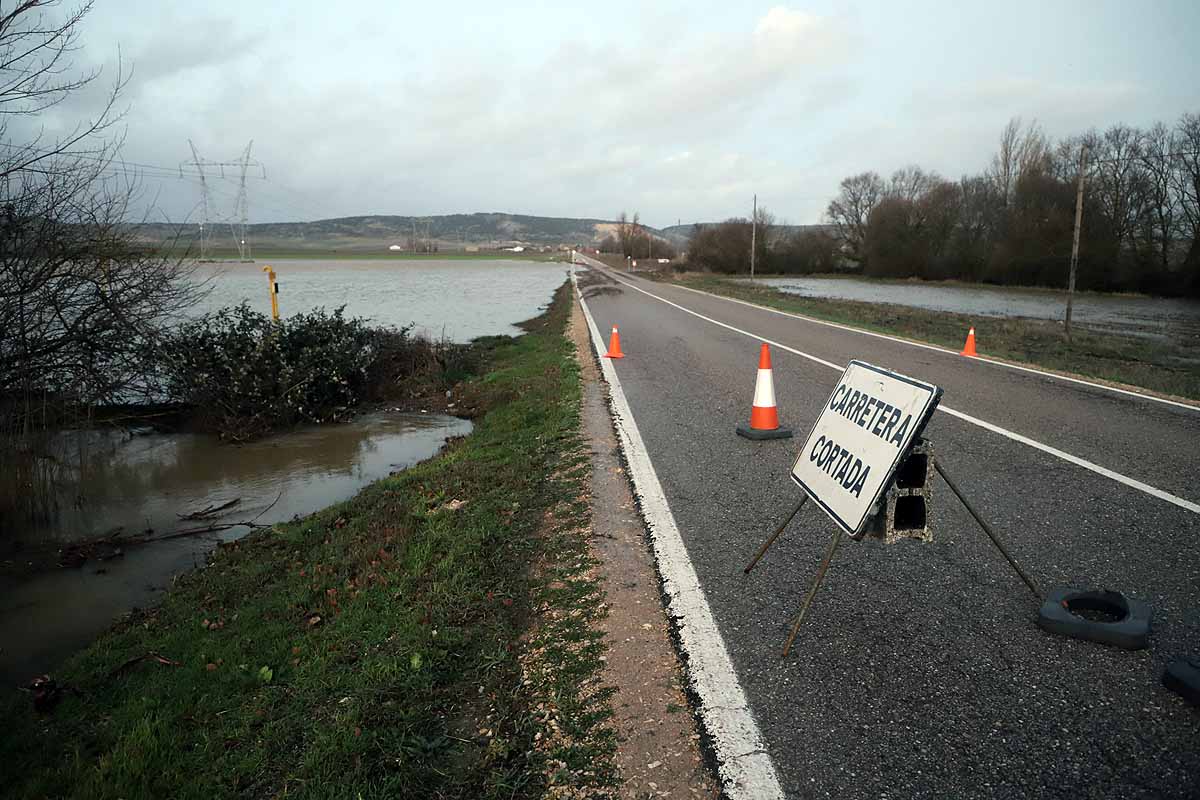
x=658, y=754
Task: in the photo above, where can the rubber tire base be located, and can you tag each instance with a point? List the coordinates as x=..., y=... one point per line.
x=1182, y=676
x=1131, y=633
x=758, y=435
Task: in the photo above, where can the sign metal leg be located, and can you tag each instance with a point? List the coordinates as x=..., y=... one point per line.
x=988, y=530
x=762, y=550
x=829, y=551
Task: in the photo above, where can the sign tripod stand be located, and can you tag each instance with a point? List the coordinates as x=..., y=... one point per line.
x=870, y=424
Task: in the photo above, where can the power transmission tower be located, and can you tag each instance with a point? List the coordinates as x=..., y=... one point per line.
x=238, y=220
x=242, y=209
x=198, y=163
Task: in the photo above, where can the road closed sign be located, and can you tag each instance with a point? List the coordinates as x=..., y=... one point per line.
x=861, y=437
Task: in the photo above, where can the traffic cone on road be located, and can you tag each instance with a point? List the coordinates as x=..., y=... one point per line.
x=764, y=416
x=614, y=345
x=969, y=347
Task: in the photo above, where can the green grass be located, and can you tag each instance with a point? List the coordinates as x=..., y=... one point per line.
x=395, y=645
x=1137, y=361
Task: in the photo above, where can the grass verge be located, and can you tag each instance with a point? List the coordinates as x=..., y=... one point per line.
x=1148, y=363
x=431, y=637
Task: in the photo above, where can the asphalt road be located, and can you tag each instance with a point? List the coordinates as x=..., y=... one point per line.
x=921, y=671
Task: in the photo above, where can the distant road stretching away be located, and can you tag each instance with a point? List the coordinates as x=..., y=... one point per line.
x=921, y=671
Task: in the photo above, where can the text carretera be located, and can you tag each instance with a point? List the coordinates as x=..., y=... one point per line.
x=871, y=414
x=840, y=464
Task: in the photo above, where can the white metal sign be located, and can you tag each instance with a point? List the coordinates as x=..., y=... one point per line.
x=862, y=435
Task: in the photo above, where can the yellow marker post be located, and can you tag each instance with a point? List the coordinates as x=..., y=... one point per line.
x=273, y=288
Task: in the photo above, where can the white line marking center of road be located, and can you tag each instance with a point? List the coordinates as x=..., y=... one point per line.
x=946, y=351
x=1133, y=483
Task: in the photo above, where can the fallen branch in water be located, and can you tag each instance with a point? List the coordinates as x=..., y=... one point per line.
x=214, y=528
x=210, y=511
x=75, y=555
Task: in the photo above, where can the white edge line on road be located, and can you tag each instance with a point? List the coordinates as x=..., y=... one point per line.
x=746, y=769
x=947, y=351
x=1133, y=483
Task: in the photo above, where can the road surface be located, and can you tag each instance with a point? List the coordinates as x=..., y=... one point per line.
x=921, y=671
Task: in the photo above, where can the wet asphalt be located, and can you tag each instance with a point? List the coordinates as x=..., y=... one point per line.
x=921, y=671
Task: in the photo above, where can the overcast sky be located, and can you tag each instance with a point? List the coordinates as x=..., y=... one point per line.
x=680, y=110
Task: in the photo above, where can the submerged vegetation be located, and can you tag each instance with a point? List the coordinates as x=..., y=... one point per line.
x=1137, y=361
x=240, y=374
x=430, y=637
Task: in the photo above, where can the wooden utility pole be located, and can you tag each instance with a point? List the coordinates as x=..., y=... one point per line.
x=753, y=235
x=1075, y=241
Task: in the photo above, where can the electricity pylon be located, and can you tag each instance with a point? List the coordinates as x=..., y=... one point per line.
x=239, y=219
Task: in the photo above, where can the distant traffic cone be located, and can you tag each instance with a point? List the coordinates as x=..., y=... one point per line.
x=969, y=347
x=614, y=345
x=764, y=416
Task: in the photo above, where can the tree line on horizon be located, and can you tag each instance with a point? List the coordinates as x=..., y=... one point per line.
x=1011, y=224
x=633, y=240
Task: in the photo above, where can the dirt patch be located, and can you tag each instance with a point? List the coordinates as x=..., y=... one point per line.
x=658, y=754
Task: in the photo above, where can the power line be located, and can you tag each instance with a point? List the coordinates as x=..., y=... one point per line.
x=115, y=163
x=1142, y=156
x=241, y=210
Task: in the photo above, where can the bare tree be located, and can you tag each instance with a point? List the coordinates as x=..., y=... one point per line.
x=1119, y=182
x=625, y=231
x=850, y=212
x=911, y=183
x=1187, y=188
x=80, y=297
x=1022, y=148
x=1155, y=150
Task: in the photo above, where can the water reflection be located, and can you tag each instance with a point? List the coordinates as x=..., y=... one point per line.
x=1167, y=318
x=457, y=300
x=146, y=482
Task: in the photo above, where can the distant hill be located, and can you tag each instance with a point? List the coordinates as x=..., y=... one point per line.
x=378, y=232
x=447, y=232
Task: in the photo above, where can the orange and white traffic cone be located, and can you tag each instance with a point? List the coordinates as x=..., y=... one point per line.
x=764, y=416
x=614, y=345
x=969, y=347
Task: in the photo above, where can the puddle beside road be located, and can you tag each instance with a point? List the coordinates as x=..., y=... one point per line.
x=1172, y=319
x=146, y=482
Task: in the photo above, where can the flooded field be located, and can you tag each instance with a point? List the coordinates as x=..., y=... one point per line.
x=148, y=482
x=135, y=484
x=457, y=299
x=1172, y=319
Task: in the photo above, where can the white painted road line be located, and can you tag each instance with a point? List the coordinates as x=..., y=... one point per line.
x=1133, y=483
x=745, y=768
x=924, y=346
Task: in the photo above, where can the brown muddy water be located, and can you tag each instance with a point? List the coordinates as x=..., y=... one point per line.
x=146, y=482
x=140, y=483
x=453, y=299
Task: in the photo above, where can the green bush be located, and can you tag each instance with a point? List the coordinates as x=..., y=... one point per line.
x=244, y=374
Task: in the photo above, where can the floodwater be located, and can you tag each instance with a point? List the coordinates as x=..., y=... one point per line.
x=140, y=483
x=453, y=299
x=146, y=482
x=1166, y=318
